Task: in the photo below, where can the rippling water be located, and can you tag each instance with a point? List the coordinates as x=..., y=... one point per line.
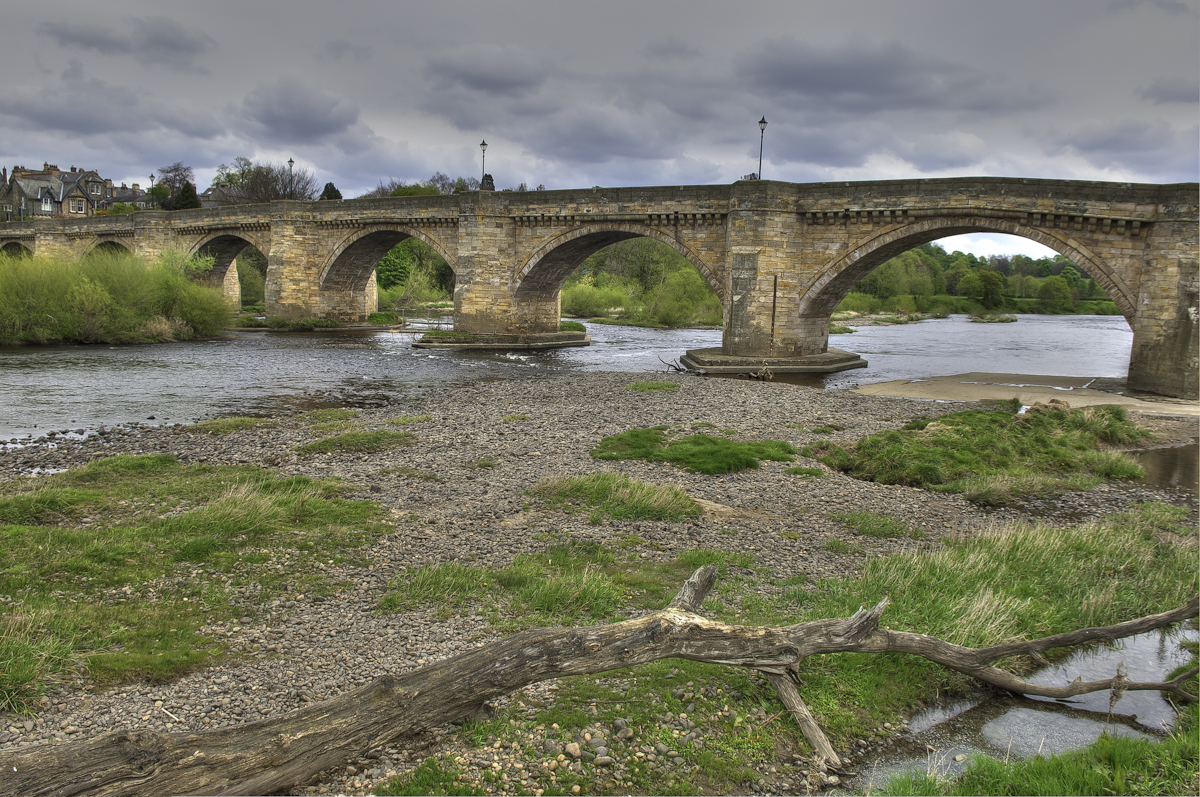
x=77, y=387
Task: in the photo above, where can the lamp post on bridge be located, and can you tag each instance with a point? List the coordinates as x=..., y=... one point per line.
x=291, y=182
x=483, y=149
x=762, y=131
x=152, y=188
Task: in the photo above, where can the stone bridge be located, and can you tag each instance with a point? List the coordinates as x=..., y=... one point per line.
x=779, y=255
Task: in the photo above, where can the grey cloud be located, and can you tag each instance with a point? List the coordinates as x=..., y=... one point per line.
x=88, y=37
x=866, y=78
x=671, y=48
x=1171, y=90
x=1150, y=147
x=503, y=71
x=1169, y=6
x=76, y=101
x=340, y=49
x=293, y=112
x=153, y=41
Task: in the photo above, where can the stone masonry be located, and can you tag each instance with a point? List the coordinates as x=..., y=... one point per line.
x=779, y=255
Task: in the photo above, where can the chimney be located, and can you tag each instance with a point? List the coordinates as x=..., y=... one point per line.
x=136, y=187
x=123, y=186
x=72, y=170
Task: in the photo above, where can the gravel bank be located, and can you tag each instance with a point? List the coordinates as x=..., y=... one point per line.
x=301, y=650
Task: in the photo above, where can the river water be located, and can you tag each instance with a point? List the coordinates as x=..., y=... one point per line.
x=83, y=387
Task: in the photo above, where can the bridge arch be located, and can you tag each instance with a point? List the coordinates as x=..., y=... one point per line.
x=108, y=246
x=822, y=295
x=15, y=249
x=350, y=264
x=224, y=247
x=544, y=272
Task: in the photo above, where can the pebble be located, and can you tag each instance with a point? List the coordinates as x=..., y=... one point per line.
x=308, y=648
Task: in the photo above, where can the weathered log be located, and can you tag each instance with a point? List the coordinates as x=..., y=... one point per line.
x=281, y=753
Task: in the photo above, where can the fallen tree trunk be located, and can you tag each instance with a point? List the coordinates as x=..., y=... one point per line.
x=282, y=753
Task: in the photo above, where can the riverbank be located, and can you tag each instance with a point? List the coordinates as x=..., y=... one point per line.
x=459, y=492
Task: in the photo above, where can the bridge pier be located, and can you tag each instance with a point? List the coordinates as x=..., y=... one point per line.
x=1164, y=358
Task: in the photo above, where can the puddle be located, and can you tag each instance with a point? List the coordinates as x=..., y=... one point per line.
x=942, y=739
x=1176, y=468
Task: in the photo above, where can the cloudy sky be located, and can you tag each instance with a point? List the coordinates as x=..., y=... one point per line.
x=569, y=94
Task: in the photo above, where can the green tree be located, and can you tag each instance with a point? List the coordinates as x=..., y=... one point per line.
x=415, y=190
x=159, y=196
x=993, y=289
x=1054, y=296
x=186, y=199
x=971, y=285
x=330, y=192
x=1044, y=268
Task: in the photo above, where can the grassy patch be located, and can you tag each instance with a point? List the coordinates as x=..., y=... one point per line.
x=571, y=326
x=697, y=453
x=834, y=545
x=815, y=473
x=653, y=387
x=994, y=455
x=1111, y=765
x=163, y=548
x=358, y=442
x=430, y=777
x=829, y=428
x=404, y=420
x=620, y=497
x=228, y=425
x=1014, y=581
x=872, y=524
x=837, y=329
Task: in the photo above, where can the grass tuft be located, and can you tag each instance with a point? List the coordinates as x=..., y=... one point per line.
x=698, y=453
x=872, y=524
x=994, y=455
x=227, y=425
x=358, y=442
x=620, y=497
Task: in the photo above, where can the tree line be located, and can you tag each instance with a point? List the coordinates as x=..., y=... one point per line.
x=927, y=277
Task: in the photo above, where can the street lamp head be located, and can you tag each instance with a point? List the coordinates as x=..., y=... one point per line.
x=483, y=145
x=291, y=163
x=762, y=123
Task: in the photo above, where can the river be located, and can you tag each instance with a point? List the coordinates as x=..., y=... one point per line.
x=84, y=387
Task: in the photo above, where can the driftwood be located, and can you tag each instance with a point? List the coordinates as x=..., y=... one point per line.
x=282, y=753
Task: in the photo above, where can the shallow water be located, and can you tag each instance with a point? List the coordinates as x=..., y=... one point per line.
x=943, y=738
x=83, y=387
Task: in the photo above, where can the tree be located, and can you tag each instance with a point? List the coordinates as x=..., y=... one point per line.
x=186, y=199
x=174, y=176
x=971, y=285
x=331, y=192
x=160, y=195
x=415, y=190
x=1054, y=296
x=236, y=175
x=267, y=182
x=993, y=289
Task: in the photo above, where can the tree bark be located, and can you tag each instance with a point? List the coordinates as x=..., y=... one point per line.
x=282, y=753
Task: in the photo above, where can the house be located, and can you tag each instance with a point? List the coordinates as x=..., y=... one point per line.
x=51, y=191
x=219, y=195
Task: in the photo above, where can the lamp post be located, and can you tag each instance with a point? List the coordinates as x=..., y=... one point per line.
x=762, y=131
x=152, y=188
x=483, y=149
x=291, y=184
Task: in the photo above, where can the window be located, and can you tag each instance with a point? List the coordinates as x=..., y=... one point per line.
x=47, y=204
x=96, y=188
x=77, y=206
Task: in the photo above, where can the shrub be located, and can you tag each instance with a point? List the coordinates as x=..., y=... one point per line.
x=863, y=303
